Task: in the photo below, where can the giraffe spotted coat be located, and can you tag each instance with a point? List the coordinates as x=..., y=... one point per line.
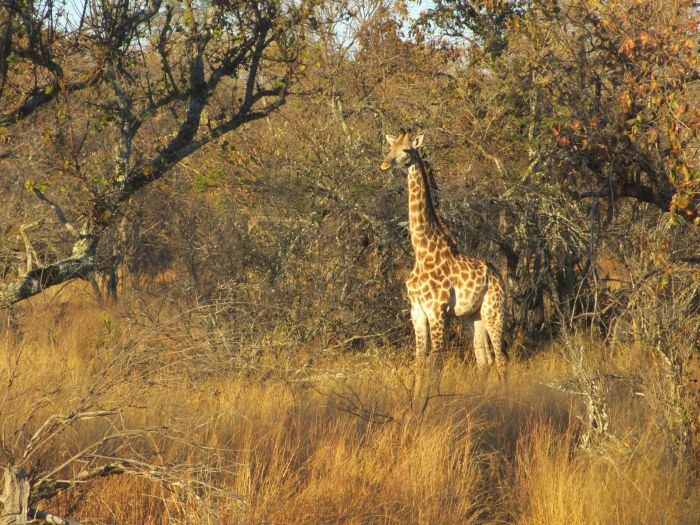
x=444, y=281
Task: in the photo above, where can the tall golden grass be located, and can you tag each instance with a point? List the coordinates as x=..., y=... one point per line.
x=324, y=437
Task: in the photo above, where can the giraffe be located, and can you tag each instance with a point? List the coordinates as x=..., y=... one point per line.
x=444, y=281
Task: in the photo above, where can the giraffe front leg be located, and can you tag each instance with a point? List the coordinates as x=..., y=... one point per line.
x=420, y=329
x=436, y=320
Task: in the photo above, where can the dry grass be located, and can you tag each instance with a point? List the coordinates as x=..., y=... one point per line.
x=320, y=437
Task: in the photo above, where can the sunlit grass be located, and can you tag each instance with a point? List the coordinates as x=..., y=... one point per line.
x=330, y=437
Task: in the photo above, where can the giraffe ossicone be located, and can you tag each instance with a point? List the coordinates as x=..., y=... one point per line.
x=443, y=280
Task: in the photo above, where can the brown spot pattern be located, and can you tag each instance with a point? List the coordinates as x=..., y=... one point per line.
x=479, y=292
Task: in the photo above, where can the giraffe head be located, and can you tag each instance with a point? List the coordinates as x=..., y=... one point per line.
x=402, y=149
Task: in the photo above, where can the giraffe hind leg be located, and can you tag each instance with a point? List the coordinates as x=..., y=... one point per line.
x=481, y=347
x=483, y=355
x=495, y=332
x=493, y=314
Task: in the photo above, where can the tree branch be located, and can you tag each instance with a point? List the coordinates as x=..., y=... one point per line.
x=41, y=96
x=79, y=265
x=59, y=213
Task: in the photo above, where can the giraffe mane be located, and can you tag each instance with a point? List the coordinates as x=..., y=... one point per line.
x=430, y=185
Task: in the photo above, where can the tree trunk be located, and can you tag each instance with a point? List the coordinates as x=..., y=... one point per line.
x=37, y=280
x=80, y=264
x=14, y=503
x=15, y=498
x=119, y=248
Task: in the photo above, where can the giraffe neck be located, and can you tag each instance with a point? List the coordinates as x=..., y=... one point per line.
x=424, y=223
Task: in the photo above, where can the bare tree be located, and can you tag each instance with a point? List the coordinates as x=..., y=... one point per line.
x=114, y=96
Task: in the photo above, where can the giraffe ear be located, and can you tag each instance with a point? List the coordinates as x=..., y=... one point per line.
x=390, y=139
x=417, y=141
